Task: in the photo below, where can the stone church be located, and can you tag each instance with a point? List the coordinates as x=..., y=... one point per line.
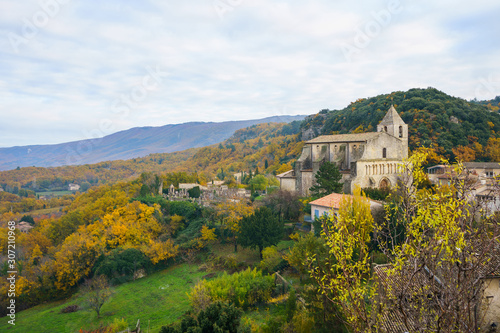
x=364, y=159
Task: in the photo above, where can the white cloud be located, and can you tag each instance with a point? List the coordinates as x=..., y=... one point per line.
x=259, y=59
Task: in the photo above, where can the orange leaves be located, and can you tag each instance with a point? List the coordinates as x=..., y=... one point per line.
x=464, y=154
x=492, y=149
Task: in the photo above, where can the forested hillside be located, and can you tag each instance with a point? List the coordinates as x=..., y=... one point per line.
x=455, y=127
x=132, y=143
x=433, y=118
x=266, y=146
x=492, y=104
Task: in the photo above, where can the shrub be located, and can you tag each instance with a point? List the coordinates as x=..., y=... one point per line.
x=27, y=218
x=118, y=325
x=120, y=266
x=242, y=289
x=376, y=193
x=218, y=317
x=270, y=258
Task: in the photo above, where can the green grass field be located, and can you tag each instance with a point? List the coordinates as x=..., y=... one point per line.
x=54, y=193
x=45, y=211
x=160, y=299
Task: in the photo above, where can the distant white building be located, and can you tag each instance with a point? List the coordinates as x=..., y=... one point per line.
x=188, y=186
x=73, y=187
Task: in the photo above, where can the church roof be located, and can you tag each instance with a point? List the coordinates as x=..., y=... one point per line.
x=391, y=117
x=356, y=137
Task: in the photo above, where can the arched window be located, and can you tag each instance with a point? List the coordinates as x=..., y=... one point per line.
x=385, y=128
x=384, y=152
x=400, y=131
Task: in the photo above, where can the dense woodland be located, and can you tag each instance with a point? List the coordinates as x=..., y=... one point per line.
x=121, y=228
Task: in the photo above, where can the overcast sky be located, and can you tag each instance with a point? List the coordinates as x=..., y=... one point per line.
x=74, y=69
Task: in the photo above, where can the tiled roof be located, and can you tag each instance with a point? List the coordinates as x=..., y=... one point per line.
x=357, y=137
x=391, y=117
x=330, y=201
x=286, y=174
x=482, y=165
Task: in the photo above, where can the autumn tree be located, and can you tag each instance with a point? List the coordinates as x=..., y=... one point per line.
x=260, y=230
x=450, y=247
x=230, y=213
x=96, y=292
x=327, y=180
x=492, y=149
x=344, y=278
x=285, y=203
x=464, y=154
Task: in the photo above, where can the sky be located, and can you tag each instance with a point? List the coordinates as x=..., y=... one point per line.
x=73, y=70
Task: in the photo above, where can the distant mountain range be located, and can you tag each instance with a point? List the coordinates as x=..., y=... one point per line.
x=132, y=143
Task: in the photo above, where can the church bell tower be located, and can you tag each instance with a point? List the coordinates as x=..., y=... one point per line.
x=393, y=124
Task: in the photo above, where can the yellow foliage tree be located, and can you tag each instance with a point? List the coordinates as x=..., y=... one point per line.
x=492, y=149
x=75, y=259
x=344, y=280
x=230, y=213
x=464, y=154
x=158, y=251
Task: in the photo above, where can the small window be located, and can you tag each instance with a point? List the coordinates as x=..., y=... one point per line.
x=316, y=213
x=384, y=152
x=400, y=131
x=385, y=128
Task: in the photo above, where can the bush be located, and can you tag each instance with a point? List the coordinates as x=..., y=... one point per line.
x=195, y=192
x=242, y=289
x=120, y=266
x=376, y=193
x=270, y=258
x=217, y=317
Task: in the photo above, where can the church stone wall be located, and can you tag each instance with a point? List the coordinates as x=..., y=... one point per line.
x=288, y=184
x=306, y=183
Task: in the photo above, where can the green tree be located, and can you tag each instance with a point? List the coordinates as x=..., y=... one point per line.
x=260, y=230
x=28, y=218
x=194, y=192
x=85, y=186
x=327, y=180
x=259, y=182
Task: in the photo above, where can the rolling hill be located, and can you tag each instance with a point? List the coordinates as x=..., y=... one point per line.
x=132, y=143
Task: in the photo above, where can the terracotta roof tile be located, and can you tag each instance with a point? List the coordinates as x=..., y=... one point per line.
x=330, y=201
